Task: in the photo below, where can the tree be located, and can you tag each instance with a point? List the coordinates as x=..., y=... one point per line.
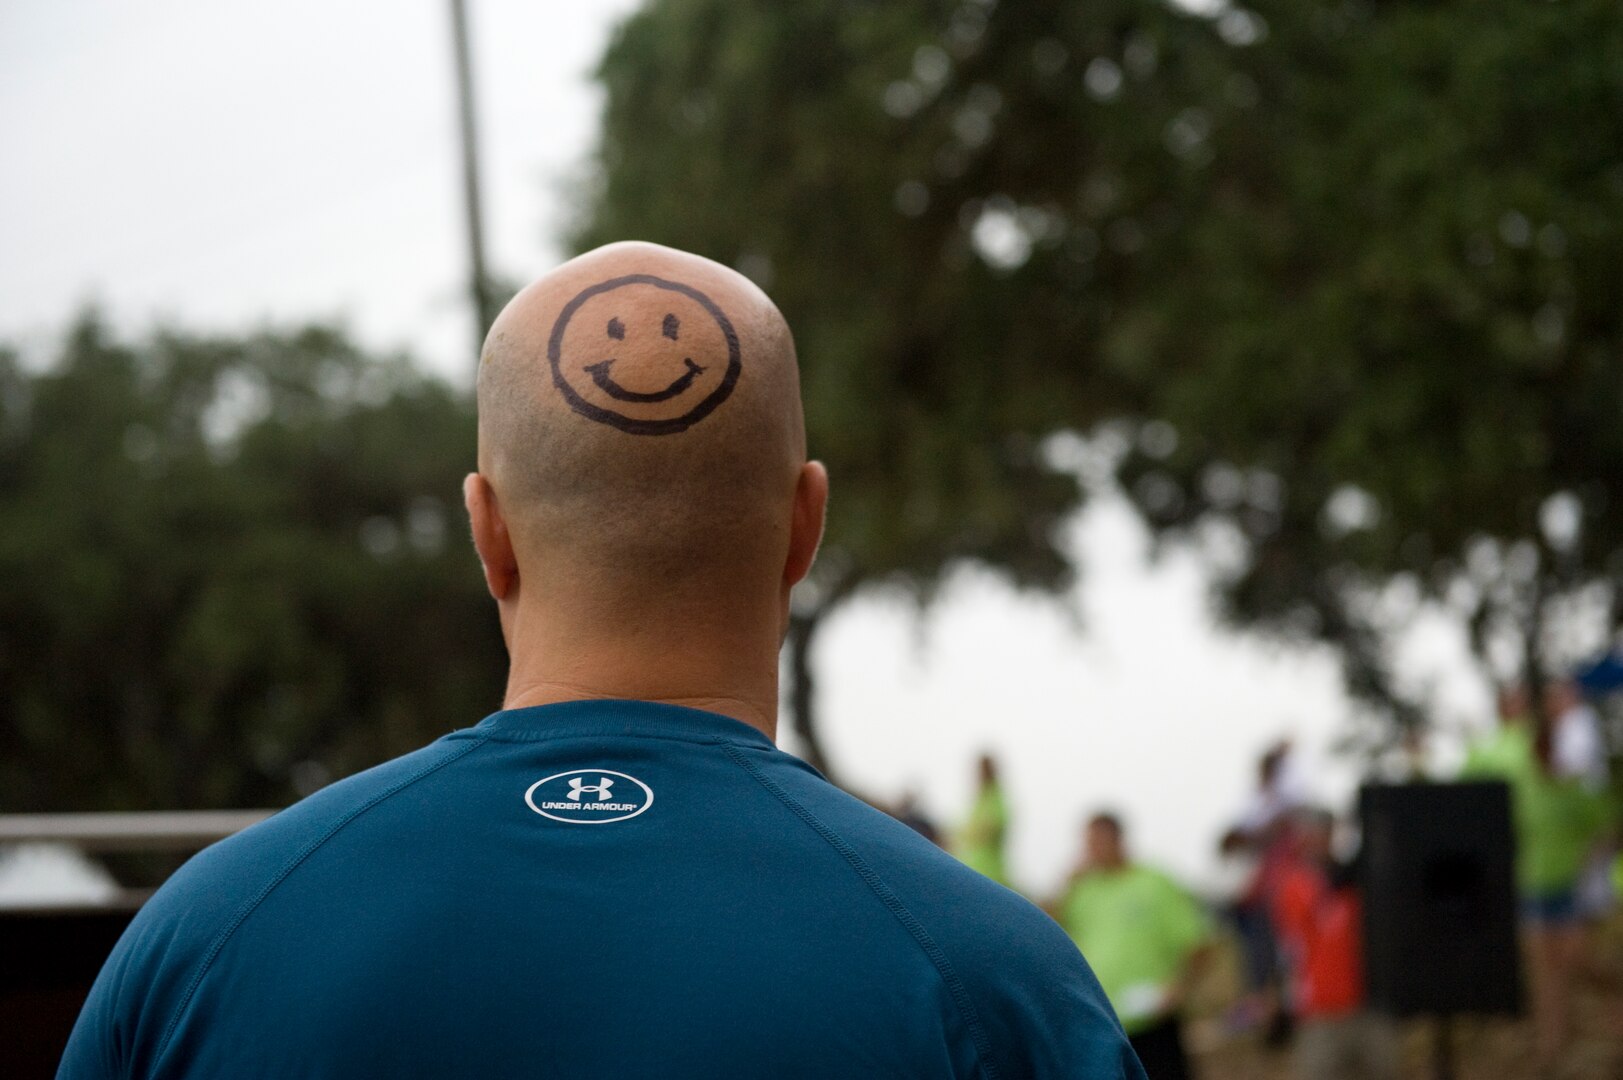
x=229, y=569
x=759, y=134
x=1406, y=263
x=1348, y=271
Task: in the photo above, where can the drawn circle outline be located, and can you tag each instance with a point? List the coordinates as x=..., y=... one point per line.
x=628, y=424
x=529, y=797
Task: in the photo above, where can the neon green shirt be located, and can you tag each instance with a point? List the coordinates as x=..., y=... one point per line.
x=1137, y=928
x=979, y=844
x=1557, y=822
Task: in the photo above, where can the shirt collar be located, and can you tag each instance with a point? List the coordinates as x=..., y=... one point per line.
x=616, y=717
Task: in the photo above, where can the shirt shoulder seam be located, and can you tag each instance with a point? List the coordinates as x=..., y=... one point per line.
x=283, y=874
x=887, y=896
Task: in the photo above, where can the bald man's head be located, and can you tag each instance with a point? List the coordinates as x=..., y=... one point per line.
x=640, y=424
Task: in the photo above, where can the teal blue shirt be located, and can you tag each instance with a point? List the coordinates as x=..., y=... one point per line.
x=591, y=891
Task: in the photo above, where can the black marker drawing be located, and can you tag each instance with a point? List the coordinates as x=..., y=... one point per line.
x=600, y=372
x=600, y=375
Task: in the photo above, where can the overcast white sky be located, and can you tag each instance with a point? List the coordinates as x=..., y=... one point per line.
x=225, y=164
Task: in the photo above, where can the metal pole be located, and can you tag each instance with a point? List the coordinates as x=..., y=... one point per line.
x=1442, y=1048
x=479, y=284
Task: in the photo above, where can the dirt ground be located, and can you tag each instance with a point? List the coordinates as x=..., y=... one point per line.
x=1485, y=1048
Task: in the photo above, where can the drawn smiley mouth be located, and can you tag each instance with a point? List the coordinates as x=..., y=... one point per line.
x=605, y=382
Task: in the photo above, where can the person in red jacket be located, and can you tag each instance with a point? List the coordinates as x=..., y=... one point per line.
x=1318, y=919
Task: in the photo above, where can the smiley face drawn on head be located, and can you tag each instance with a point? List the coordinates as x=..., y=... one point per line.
x=668, y=325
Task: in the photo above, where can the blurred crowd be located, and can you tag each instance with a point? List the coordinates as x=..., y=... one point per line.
x=1287, y=899
x=1565, y=812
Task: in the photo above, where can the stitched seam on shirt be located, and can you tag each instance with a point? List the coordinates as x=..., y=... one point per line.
x=909, y=921
x=281, y=876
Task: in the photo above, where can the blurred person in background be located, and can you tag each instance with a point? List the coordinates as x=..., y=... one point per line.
x=1235, y=891
x=1317, y=915
x=1261, y=841
x=1577, y=741
x=980, y=841
x=618, y=873
x=1578, y=753
x=1280, y=789
x=1148, y=939
x=1558, y=823
x=911, y=812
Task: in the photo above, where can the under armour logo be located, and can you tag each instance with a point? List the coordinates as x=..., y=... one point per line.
x=569, y=798
x=600, y=789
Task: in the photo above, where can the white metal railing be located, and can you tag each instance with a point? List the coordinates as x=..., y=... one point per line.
x=162, y=830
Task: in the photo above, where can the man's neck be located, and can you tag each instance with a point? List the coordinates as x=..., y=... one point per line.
x=749, y=710
x=734, y=675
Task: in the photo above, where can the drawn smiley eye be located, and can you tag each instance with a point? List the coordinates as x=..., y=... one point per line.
x=671, y=327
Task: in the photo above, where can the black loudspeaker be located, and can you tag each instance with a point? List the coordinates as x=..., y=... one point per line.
x=1438, y=875
x=48, y=959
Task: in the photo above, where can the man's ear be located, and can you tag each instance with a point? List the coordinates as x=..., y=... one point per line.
x=490, y=537
x=806, y=521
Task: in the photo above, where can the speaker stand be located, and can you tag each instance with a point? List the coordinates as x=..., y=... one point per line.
x=1442, y=1048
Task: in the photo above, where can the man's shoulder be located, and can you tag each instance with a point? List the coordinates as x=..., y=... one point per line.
x=941, y=891
x=219, y=885
x=174, y=939
x=1026, y=993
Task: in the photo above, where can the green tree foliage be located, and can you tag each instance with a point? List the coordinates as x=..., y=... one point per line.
x=229, y=569
x=1398, y=319
x=1349, y=270
x=756, y=134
